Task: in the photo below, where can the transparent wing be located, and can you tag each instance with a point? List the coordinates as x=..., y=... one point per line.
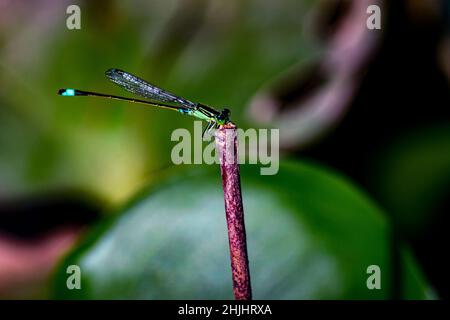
x=140, y=87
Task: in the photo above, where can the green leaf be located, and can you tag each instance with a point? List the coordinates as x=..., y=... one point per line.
x=412, y=176
x=310, y=233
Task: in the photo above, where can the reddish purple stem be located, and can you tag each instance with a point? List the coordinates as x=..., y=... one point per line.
x=226, y=144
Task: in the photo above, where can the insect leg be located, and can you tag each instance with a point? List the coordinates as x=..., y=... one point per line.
x=207, y=129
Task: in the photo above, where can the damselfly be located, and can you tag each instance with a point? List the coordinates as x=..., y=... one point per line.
x=160, y=98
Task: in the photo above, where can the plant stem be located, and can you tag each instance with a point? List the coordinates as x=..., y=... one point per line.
x=226, y=145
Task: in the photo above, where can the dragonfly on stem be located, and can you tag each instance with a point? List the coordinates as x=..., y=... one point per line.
x=159, y=98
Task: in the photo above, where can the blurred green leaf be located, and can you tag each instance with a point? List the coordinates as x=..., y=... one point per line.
x=311, y=235
x=412, y=176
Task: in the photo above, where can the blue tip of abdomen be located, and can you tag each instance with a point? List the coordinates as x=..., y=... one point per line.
x=66, y=92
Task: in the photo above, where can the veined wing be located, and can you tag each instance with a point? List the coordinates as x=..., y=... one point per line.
x=141, y=87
